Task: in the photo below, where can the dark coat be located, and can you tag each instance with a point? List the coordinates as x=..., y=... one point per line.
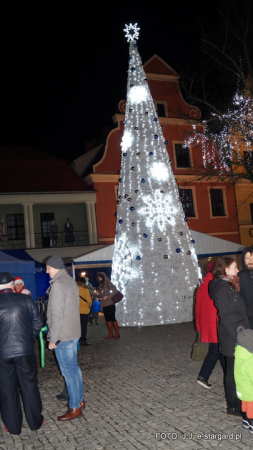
x=231, y=312
x=246, y=286
x=53, y=230
x=20, y=324
x=69, y=235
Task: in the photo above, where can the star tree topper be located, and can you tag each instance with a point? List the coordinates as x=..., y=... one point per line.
x=132, y=32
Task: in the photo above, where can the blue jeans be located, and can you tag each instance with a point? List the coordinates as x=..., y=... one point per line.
x=66, y=354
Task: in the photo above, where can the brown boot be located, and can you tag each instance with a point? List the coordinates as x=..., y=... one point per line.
x=116, y=328
x=71, y=414
x=110, y=329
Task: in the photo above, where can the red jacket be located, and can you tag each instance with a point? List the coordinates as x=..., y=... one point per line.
x=206, y=313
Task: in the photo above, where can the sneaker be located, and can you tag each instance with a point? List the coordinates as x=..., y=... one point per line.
x=234, y=412
x=245, y=420
x=251, y=429
x=246, y=424
x=204, y=382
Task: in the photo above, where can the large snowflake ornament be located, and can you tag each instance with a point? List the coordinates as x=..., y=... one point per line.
x=132, y=32
x=160, y=209
x=138, y=94
x=159, y=171
x=122, y=263
x=127, y=140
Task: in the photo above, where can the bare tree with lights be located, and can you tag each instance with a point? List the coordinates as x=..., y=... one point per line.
x=229, y=106
x=154, y=264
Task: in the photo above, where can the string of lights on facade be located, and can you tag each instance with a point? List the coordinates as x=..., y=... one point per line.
x=154, y=264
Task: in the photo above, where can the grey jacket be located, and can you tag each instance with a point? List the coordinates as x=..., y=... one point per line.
x=63, y=316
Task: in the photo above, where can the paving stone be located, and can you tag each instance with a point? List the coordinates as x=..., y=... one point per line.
x=135, y=389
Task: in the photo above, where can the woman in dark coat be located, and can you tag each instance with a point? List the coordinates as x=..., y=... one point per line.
x=106, y=290
x=224, y=290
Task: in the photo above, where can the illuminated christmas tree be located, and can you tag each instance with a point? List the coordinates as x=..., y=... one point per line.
x=154, y=263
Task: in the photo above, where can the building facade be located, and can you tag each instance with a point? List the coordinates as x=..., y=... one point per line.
x=36, y=189
x=209, y=204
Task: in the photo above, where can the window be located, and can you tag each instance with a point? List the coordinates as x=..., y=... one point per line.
x=187, y=202
x=161, y=111
x=15, y=226
x=182, y=155
x=248, y=159
x=217, y=203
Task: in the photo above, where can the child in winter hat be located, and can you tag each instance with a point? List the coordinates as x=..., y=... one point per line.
x=243, y=373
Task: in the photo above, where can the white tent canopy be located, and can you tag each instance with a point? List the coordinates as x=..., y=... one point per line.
x=205, y=246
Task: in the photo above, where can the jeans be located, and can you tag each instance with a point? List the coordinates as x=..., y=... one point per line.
x=210, y=360
x=95, y=316
x=66, y=354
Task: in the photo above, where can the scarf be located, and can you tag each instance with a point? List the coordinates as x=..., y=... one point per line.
x=20, y=292
x=233, y=279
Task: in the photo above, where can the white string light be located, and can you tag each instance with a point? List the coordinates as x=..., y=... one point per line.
x=235, y=135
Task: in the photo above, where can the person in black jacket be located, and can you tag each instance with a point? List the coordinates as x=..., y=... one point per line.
x=20, y=324
x=246, y=281
x=224, y=290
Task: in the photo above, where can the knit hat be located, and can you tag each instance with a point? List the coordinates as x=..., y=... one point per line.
x=245, y=338
x=56, y=262
x=18, y=280
x=6, y=278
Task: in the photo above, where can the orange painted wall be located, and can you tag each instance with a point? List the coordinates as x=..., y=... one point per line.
x=111, y=162
x=106, y=208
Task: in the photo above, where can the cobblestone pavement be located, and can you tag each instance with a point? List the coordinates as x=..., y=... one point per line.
x=140, y=393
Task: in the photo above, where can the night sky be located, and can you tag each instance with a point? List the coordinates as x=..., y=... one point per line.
x=64, y=63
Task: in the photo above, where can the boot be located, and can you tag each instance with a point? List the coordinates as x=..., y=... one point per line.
x=110, y=329
x=72, y=413
x=116, y=328
x=63, y=395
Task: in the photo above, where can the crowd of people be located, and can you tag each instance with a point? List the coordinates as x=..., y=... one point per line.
x=224, y=318
x=67, y=317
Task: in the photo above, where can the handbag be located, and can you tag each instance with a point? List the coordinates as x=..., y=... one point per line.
x=117, y=297
x=198, y=350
